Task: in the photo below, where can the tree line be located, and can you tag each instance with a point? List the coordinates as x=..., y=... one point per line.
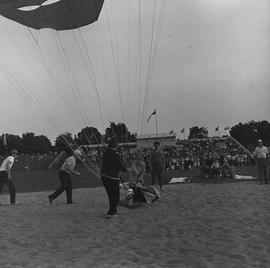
x=246, y=133
x=29, y=143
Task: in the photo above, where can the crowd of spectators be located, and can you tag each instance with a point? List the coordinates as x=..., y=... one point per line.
x=206, y=155
x=195, y=154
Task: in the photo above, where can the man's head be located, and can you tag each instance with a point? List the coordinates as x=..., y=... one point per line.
x=14, y=153
x=77, y=153
x=260, y=142
x=156, y=144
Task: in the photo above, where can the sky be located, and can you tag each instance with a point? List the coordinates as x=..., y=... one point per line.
x=207, y=65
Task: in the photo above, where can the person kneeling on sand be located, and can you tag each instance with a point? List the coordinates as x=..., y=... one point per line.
x=5, y=175
x=64, y=176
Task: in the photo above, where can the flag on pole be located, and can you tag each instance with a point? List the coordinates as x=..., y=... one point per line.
x=217, y=128
x=153, y=113
x=227, y=128
x=182, y=130
x=4, y=140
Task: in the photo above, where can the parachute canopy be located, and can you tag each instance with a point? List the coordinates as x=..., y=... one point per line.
x=55, y=14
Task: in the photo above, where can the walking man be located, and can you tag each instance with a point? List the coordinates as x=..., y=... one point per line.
x=110, y=168
x=5, y=175
x=262, y=159
x=157, y=164
x=64, y=176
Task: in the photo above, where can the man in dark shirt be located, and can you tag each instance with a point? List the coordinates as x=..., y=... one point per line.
x=110, y=168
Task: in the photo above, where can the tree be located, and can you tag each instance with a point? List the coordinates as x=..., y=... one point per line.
x=13, y=142
x=89, y=135
x=248, y=133
x=42, y=144
x=27, y=142
x=198, y=133
x=119, y=131
x=32, y=144
x=63, y=141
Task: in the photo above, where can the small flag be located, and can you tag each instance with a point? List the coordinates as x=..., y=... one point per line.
x=217, y=128
x=227, y=128
x=4, y=140
x=171, y=132
x=182, y=130
x=153, y=113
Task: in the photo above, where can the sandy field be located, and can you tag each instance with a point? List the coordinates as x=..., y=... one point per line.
x=191, y=225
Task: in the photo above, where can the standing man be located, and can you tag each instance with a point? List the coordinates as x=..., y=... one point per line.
x=261, y=158
x=110, y=168
x=5, y=175
x=157, y=164
x=64, y=176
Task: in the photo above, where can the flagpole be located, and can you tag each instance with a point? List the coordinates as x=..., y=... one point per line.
x=5, y=144
x=156, y=124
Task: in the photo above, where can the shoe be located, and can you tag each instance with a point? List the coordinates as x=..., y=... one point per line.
x=50, y=200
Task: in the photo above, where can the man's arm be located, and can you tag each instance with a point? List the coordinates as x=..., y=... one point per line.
x=267, y=155
x=119, y=164
x=8, y=168
x=163, y=160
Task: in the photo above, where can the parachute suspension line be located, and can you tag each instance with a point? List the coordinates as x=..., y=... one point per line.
x=128, y=60
x=73, y=82
x=91, y=75
x=74, y=85
x=23, y=79
x=48, y=69
x=154, y=53
x=28, y=96
x=149, y=61
x=115, y=43
x=26, y=91
x=104, y=69
x=67, y=66
x=140, y=60
x=135, y=82
x=19, y=87
x=43, y=59
x=52, y=76
x=161, y=19
x=117, y=73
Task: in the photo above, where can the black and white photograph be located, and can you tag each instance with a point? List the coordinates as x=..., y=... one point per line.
x=135, y=133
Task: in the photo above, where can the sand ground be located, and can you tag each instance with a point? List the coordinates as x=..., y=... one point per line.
x=191, y=225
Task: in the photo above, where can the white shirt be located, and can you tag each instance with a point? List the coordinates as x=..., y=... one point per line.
x=8, y=162
x=69, y=164
x=261, y=152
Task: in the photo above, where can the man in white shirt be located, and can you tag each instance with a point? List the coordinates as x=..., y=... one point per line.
x=261, y=158
x=5, y=175
x=64, y=176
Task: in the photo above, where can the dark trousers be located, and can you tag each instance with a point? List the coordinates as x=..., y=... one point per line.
x=11, y=187
x=66, y=185
x=112, y=189
x=262, y=169
x=156, y=174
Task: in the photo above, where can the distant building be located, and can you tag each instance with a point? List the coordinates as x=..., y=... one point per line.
x=147, y=140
